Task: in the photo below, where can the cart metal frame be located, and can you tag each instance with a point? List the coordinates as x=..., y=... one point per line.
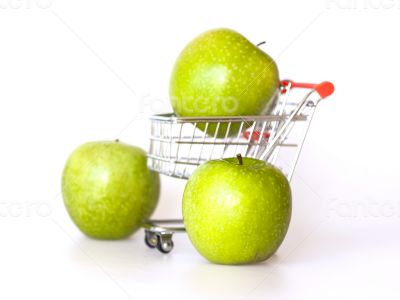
x=178, y=146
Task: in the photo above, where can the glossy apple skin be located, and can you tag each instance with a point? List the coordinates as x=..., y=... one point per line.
x=220, y=73
x=108, y=190
x=237, y=214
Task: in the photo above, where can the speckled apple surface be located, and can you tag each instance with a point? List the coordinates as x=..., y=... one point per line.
x=108, y=190
x=220, y=73
x=237, y=214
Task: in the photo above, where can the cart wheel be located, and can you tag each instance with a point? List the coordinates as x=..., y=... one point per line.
x=165, y=244
x=150, y=239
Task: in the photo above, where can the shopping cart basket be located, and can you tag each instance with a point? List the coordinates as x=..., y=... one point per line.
x=178, y=146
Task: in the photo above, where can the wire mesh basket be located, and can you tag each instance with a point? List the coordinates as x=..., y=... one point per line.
x=178, y=146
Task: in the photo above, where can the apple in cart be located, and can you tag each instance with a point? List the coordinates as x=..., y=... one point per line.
x=108, y=190
x=221, y=73
x=237, y=210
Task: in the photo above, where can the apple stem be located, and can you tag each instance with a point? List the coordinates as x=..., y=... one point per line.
x=259, y=44
x=240, y=158
x=117, y=140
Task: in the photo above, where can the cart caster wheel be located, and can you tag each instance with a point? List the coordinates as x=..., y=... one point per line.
x=151, y=239
x=165, y=244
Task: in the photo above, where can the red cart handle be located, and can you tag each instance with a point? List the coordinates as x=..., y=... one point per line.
x=324, y=89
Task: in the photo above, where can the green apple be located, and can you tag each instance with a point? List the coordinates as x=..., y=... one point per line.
x=237, y=211
x=221, y=73
x=108, y=190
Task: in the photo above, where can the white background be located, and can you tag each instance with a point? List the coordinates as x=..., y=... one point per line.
x=77, y=71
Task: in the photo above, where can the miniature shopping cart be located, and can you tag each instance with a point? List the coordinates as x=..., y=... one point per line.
x=178, y=146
